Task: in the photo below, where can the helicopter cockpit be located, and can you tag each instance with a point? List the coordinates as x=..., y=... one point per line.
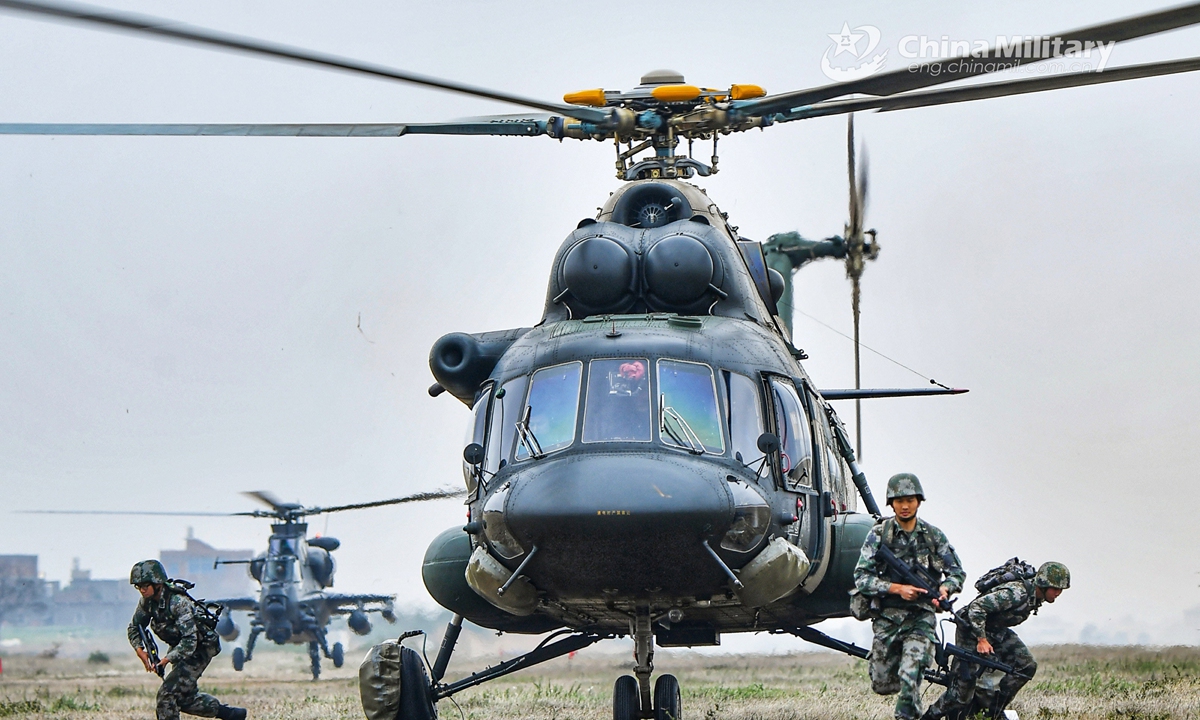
x=621, y=398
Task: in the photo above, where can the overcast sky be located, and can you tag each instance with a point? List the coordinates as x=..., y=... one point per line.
x=180, y=317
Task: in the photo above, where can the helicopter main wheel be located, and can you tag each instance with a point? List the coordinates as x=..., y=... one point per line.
x=627, y=699
x=667, y=700
x=338, y=655
x=239, y=659
x=416, y=700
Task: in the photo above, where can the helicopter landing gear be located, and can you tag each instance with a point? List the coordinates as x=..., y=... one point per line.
x=239, y=658
x=632, y=698
x=255, y=631
x=314, y=654
x=338, y=655
x=643, y=653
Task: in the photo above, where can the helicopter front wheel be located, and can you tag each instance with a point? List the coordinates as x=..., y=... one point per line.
x=627, y=699
x=338, y=655
x=667, y=699
x=239, y=659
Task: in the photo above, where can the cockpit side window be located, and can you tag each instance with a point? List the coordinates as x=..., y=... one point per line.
x=506, y=410
x=551, y=410
x=618, y=401
x=688, y=414
x=744, y=416
x=791, y=423
x=477, y=432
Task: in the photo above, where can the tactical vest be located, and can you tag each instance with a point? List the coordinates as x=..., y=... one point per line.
x=925, y=549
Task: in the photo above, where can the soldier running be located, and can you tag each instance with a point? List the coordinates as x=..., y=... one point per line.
x=990, y=618
x=902, y=615
x=171, y=614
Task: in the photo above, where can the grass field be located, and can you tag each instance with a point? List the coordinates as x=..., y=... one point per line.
x=1072, y=682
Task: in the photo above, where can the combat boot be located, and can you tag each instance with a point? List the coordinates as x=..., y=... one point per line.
x=227, y=712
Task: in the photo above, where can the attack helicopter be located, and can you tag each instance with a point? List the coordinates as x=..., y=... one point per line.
x=650, y=459
x=294, y=604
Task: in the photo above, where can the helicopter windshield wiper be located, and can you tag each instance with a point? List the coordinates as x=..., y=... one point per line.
x=689, y=438
x=526, y=436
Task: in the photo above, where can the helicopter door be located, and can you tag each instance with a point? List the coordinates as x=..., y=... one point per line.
x=835, y=475
x=795, y=466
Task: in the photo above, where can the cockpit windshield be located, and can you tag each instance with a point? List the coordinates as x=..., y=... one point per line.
x=618, y=401
x=549, y=415
x=689, y=416
x=278, y=569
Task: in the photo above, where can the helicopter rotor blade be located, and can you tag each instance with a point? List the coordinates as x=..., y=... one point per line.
x=528, y=124
x=417, y=497
x=267, y=498
x=161, y=28
x=937, y=72
x=127, y=512
x=999, y=89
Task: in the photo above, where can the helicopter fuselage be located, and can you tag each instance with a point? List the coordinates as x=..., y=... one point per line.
x=621, y=468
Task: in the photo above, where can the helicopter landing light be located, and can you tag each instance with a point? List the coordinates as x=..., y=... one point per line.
x=675, y=93
x=746, y=92
x=594, y=98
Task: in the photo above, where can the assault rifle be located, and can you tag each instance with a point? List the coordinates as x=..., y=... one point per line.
x=151, y=648
x=942, y=655
x=982, y=662
x=917, y=577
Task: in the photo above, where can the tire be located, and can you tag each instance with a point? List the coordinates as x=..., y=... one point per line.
x=627, y=699
x=667, y=701
x=338, y=655
x=239, y=659
x=416, y=702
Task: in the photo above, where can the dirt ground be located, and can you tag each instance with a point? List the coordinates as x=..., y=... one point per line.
x=1072, y=682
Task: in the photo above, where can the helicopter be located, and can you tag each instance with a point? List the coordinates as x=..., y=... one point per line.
x=650, y=459
x=294, y=604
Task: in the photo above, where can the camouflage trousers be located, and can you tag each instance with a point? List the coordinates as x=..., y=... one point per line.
x=900, y=653
x=180, y=691
x=972, y=693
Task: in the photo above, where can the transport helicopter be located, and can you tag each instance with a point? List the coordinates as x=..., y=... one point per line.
x=650, y=459
x=295, y=574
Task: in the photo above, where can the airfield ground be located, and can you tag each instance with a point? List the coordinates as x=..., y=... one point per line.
x=1073, y=682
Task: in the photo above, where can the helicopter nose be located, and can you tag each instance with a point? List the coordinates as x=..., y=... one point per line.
x=589, y=514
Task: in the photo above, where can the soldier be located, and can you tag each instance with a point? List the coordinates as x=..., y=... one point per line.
x=903, y=615
x=172, y=616
x=989, y=618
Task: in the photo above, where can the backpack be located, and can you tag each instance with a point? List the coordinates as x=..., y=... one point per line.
x=1013, y=570
x=207, y=614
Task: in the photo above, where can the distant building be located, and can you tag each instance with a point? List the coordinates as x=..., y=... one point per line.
x=93, y=603
x=24, y=596
x=195, y=564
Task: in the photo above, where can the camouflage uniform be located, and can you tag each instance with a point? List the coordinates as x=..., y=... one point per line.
x=992, y=615
x=193, y=645
x=905, y=632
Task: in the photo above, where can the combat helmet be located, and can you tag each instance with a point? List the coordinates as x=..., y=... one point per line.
x=904, y=485
x=1053, y=575
x=148, y=571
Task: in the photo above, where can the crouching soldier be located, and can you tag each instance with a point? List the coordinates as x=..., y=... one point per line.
x=903, y=615
x=173, y=616
x=988, y=629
